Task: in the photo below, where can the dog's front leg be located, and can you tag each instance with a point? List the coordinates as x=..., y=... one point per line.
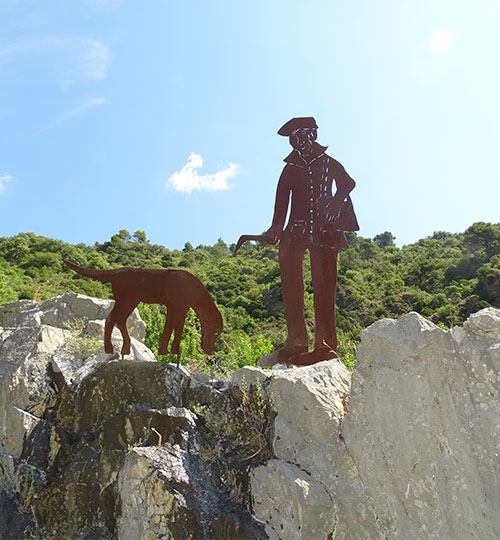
x=167, y=334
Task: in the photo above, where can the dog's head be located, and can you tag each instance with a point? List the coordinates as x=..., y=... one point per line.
x=210, y=331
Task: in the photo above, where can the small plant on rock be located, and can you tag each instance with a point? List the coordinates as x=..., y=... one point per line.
x=27, y=490
x=80, y=345
x=240, y=422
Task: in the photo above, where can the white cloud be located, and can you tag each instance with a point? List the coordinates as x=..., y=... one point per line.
x=80, y=109
x=189, y=179
x=65, y=60
x=12, y=50
x=4, y=180
x=94, y=59
x=85, y=106
x=93, y=102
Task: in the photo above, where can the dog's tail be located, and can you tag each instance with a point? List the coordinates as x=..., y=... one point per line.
x=101, y=275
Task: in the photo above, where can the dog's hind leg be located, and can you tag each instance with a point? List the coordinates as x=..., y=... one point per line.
x=108, y=330
x=122, y=311
x=178, y=319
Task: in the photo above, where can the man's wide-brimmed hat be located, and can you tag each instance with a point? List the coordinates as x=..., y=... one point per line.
x=297, y=123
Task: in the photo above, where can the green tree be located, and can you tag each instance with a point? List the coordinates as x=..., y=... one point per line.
x=140, y=236
x=385, y=239
x=483, y=238
x=124, y=235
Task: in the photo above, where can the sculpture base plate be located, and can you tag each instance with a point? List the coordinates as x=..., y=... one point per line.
x=284, y=356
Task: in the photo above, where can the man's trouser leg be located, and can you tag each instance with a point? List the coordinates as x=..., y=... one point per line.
x=324, y=279
x=291, y=256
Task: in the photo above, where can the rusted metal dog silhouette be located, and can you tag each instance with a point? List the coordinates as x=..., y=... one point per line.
x=317, y=223
x=178, y=290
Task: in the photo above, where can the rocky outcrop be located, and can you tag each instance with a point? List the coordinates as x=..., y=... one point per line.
x=165, y=494
x=60, y=310
x=98, y=447
x=412, y=451
x=423, y=428
x=38, y=359
x=298, y=493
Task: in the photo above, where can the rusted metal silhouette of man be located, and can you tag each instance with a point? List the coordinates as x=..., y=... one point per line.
x=317, y=223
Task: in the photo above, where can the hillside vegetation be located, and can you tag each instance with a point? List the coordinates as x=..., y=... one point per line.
x=444, y=277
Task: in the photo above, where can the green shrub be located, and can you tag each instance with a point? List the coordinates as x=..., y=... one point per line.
x=78, y=344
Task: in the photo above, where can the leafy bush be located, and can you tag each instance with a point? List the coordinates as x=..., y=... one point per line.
x=78, y=344
x=240, y=422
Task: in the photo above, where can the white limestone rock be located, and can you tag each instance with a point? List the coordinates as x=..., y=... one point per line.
x=167, y=492
x=423, y=430
x=310, y=403
x=148, y=505
x=25, y=392
x=61, y=309
x=484, y=323
x=291, y=502
x=36, y=360
x=415, y=451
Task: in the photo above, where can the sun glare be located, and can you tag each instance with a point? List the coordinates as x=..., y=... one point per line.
x=441, y=41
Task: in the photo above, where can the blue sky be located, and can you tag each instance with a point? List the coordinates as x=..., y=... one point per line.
x=162, y=115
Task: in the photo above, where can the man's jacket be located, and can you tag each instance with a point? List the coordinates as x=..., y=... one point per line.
x=317, y=216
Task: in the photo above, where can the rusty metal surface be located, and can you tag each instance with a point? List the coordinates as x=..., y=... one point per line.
x=256, y=237
x=178, y=290
x=317, y=187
